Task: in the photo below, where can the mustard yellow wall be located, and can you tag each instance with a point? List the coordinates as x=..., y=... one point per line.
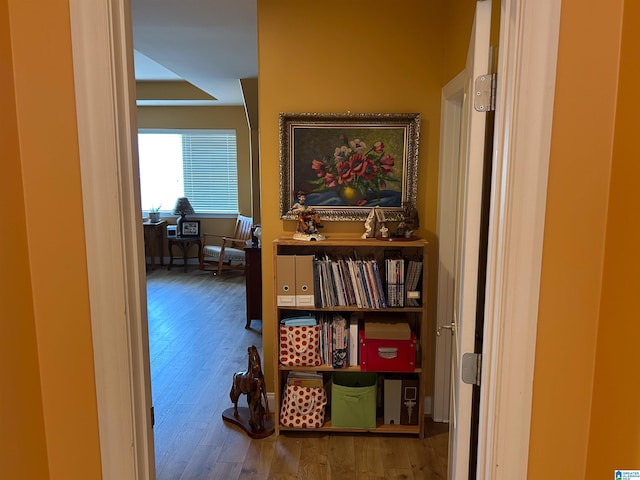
x=23, y=451
x=458, y=17
x=574, y=239
x=224, y=117
x=336, y=56
x=615, y=416
x=50, y=289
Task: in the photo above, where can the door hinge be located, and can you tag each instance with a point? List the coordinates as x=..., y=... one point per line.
x=153, y=417
x=485, y=93
x=471, y=368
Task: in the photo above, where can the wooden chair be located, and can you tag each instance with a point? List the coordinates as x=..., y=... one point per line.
x=230, y=254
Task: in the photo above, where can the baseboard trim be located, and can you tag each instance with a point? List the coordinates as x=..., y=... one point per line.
x=271, y=398
x=428, y=402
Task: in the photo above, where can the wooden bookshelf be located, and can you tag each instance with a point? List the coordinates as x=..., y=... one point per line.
x=415, y=316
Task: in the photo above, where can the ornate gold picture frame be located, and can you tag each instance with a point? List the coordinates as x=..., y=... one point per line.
x=346, y=164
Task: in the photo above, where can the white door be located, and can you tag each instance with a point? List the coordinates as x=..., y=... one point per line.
x=446, y=231
x=459, y=216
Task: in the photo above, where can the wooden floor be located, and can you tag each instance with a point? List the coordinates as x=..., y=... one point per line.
x=197, y=341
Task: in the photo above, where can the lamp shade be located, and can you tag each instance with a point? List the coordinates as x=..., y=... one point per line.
x=183, y=207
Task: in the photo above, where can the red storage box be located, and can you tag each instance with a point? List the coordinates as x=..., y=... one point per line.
x=378, y=355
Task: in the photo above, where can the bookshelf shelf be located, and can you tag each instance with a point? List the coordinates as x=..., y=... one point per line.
x=378, y=251
x=328, y=368
x=355, y=309
x=381, y=428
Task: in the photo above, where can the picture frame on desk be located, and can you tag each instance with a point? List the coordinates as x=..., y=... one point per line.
x=190, y=228
x=348, y=163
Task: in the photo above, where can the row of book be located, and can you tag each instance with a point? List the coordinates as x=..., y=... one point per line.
x=402, y=280
x=338, y=340
x=412, y=283
x=394, y=268
x=347, y=281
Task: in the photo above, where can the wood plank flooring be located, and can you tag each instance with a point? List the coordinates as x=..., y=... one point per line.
x=197, y=341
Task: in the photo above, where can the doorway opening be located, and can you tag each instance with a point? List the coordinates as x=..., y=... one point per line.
x=102, y=157
x=209, y=127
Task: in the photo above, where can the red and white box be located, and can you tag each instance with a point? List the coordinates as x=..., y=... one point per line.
x=383, y=355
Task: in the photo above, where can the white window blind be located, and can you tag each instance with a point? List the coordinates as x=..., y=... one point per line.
x=198, y=164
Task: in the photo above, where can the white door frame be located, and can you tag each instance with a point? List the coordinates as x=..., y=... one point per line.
x=106, y=108
x=528, y=52
x=101, y=38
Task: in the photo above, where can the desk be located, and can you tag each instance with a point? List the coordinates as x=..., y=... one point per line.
x=154, y=241
x=253, y=278
x=184, y=244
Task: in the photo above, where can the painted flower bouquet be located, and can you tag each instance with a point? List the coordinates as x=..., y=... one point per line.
x=356, y=171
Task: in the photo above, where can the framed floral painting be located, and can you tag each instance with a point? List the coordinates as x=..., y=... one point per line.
x=343, y=165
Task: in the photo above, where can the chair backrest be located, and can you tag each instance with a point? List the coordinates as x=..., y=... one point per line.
x=243, y=230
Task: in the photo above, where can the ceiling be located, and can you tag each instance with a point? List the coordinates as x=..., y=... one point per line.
x=211, y=44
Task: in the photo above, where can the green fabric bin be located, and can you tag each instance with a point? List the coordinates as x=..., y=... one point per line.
x=353, y=400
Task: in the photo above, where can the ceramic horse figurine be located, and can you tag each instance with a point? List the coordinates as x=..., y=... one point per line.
x=251, y=382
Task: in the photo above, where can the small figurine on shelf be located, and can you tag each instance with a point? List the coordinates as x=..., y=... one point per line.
x=308, y=220
x=375, y=226
x=409, y=222
x=254, y=420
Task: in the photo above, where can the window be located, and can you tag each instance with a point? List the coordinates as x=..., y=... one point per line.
x=198, y=164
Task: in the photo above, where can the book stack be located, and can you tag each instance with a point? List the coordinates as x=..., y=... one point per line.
x=299, y=321
x=305, y=379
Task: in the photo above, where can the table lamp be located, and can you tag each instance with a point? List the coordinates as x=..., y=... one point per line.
x=182, y=208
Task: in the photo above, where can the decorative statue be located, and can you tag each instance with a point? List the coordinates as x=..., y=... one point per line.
x=250, y=382
x=375, y=226
x=409, y=221
x=308, y=220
